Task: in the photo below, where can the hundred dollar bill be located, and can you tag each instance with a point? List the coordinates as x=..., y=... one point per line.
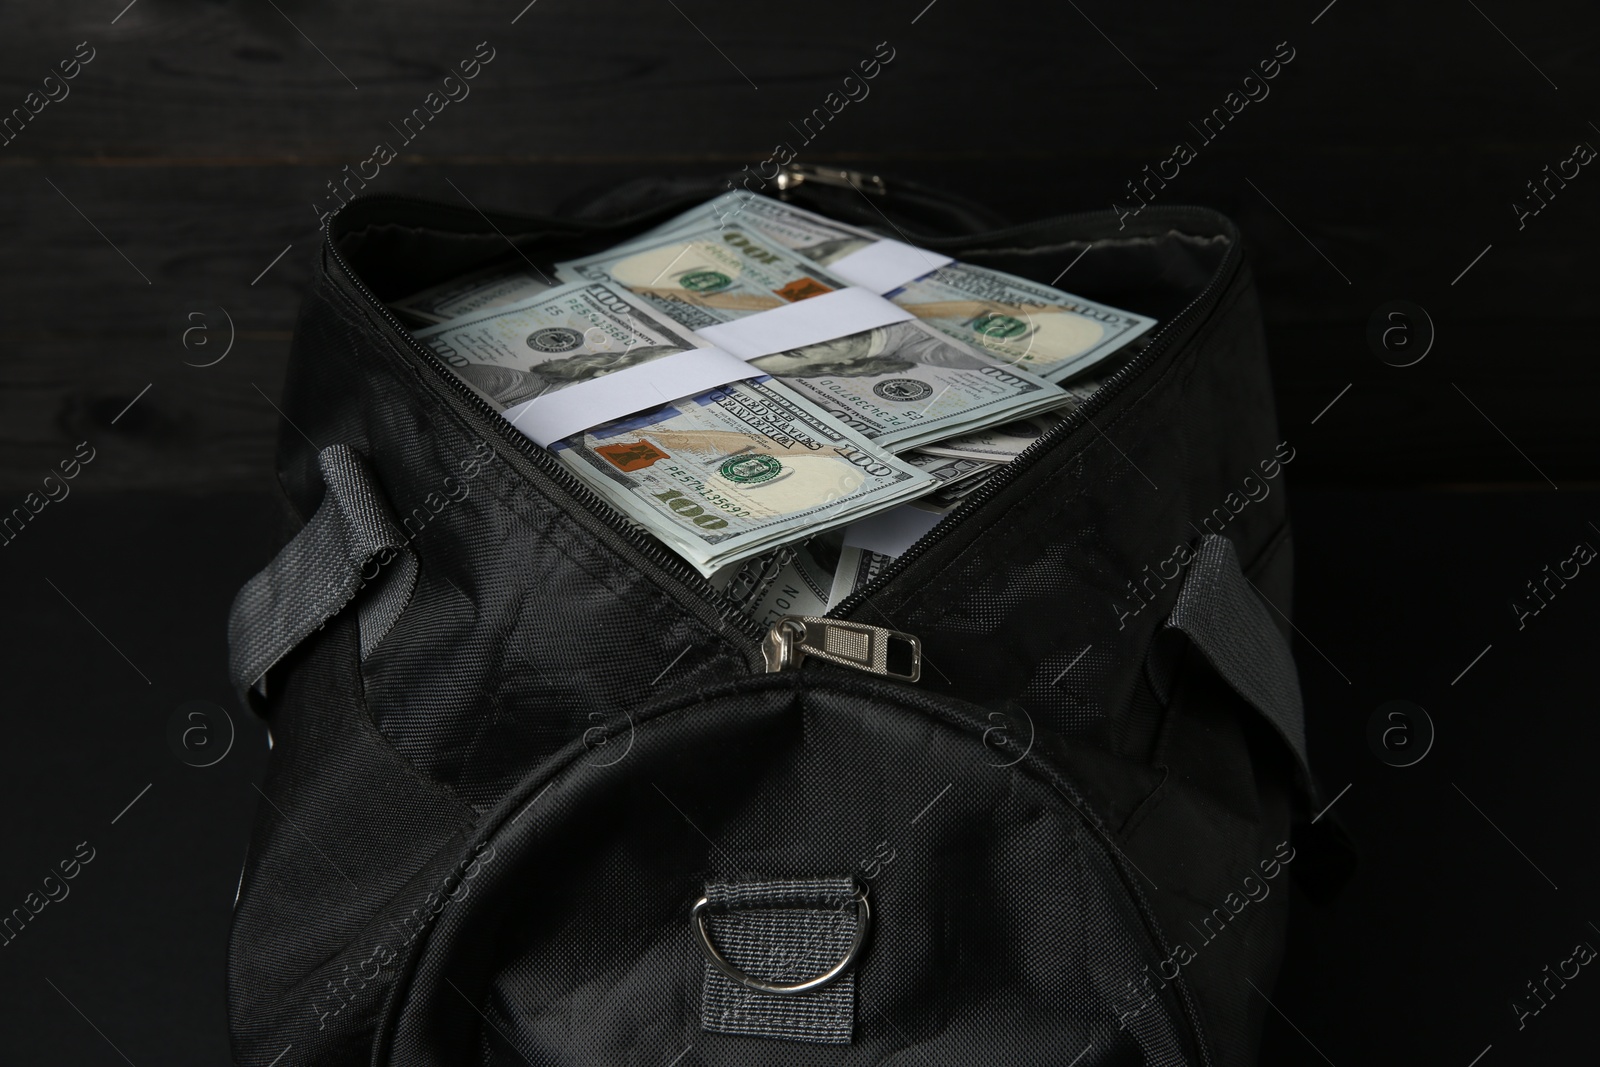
x=948, y=469
x=997, y=444
x=718, y=477
x=702, y=279
x=491, y=287
x=899, y=385
x=1027, y=324
x=903, y=385
x=792, y=580
x=947, y=496
x=552, y=340
x=857, y=567
x=733, y=472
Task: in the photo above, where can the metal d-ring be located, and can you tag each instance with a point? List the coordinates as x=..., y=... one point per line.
x=863, y=919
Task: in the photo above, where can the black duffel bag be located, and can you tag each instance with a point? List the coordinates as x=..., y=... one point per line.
x=536, y=797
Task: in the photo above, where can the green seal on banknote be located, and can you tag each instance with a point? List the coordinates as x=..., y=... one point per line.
x=1003, y=327
x=554, y=339
x=747, y=470
x=705, y=281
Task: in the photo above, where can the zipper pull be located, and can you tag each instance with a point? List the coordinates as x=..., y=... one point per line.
x=849, y=644
x=795, y=174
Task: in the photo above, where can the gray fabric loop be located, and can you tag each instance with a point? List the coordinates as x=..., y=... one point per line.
x=1219, y=611
x=792, y=893
x=351, y=542
x=781, y=931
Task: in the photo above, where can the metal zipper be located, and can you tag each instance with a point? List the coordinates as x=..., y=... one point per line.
x=1097, y=400
x=794, y=175
x=888, y=653
x=720, y=611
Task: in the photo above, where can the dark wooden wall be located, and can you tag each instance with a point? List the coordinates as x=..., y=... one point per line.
x=1386, y=157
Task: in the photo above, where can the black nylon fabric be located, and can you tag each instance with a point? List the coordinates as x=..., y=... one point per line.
x=539, y=632
x=1003, y=930
x=342, y=834
x=516, y=607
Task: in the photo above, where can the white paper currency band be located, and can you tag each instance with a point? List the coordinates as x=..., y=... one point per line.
x=807, y=322
x=558, y=415
x=886, y=265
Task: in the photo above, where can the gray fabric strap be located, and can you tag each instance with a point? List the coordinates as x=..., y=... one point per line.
x=351, y=543
x=1219, y=611
x=781, y=932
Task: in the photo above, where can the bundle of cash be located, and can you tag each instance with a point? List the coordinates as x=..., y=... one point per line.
x=949, y=469
x=719, y=477
x=793, y=580
x=899, y=385
x=812, y=577
x=779, y=485
x=997, y=444
x=962, y=465
x=1026, y=324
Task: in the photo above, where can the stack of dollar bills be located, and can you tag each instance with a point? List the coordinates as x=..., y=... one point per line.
x=796, y=485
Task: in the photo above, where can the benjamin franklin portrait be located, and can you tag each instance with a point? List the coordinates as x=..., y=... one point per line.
x=509, y=386
x=891, y=349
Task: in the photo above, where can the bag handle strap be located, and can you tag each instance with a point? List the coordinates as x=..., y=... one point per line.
x=1222, y=616
x=351, y=542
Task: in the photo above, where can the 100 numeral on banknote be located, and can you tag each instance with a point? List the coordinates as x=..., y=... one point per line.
x=720, y=476
x=728, y=474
